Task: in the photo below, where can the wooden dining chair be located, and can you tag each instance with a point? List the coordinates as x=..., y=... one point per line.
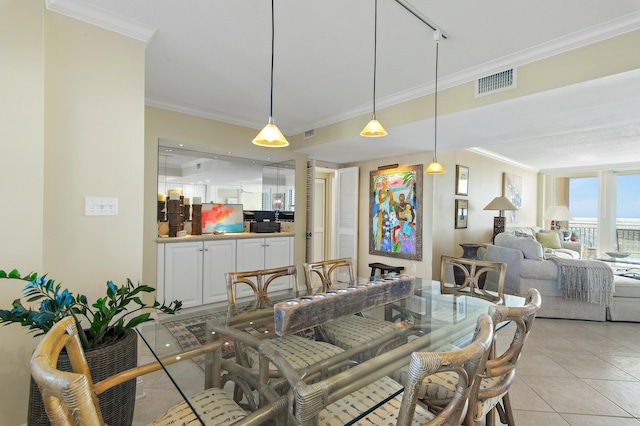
x=352, y=330
x=469, y=277
x=492, y=392
x=71, y=398
x=406, y=409
x=299, y=351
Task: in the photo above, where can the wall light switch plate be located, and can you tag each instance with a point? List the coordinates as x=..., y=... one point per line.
x=100, y=206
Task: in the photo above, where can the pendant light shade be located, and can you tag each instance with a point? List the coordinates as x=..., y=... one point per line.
x=374, y=128
x=435, y=168
x=270, y=135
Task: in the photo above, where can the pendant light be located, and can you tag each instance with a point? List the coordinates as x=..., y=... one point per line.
x=374, y=128
x=435, y=168
x=270, y=135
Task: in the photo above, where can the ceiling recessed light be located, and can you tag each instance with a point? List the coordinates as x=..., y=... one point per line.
x=181, y=145
x=228, y=152
x=268, y=158
x=207, y=180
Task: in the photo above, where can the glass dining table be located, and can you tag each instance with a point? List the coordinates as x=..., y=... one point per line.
x=426, y=320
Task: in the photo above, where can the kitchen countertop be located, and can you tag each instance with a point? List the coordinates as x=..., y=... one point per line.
x=227, y=236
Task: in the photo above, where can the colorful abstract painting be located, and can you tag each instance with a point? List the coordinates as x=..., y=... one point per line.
x=222, y=217
x=395, y=212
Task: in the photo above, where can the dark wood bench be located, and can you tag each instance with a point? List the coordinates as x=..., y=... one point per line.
x=384, y=269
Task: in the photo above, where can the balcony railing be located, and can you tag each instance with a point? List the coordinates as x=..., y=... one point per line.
x=627, y=234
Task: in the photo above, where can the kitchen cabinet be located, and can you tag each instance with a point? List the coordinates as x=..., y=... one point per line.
x=264, y=253
x=194, y=271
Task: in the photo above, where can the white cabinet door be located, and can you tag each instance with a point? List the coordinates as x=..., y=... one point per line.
x=250, y=257
x=278, y=252
x=219, y=258
x=183, y=273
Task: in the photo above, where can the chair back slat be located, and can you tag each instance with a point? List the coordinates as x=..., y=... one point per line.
x=259, y=282
x=469, y=274
x=327, y=271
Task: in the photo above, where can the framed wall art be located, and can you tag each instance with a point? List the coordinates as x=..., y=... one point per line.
x=462, y=180
x=462, y=214
x=512, y=189
x=395, y=212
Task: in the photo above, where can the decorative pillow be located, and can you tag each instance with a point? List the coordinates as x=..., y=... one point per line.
x=530, y=248
x=549, y=240
x=523, y=235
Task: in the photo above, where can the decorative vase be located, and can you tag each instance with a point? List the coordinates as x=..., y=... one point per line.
x=117, y=404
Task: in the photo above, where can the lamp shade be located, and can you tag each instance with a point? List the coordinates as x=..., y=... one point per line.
x=373, y=129
x=557, y=213
x=500, y=203
x=271, y=136
x=435, y=168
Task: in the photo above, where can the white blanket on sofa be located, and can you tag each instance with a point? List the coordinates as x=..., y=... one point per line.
x=588, y=281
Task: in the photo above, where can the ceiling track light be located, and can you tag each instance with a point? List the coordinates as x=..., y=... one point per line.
x=435, y=168
x=374, y=128
x=270, y=136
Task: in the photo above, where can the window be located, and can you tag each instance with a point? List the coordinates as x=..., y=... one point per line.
x=628, y=213
x=583, y=205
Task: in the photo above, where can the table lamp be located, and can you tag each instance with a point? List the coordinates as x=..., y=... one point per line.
x=501, y=204
x=556, y=214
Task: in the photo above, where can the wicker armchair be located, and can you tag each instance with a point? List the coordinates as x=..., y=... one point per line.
x=299, y=351
x=71, y=398
x=499, y=373
x=353, y=330
x=469, y=276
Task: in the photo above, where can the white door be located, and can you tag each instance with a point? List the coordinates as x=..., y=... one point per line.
x=219, y=258
x=319, y=219
x=183, y=273
x=278, y=252
x=346, y=242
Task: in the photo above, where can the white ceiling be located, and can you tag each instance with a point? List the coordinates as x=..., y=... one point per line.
x=212, y=58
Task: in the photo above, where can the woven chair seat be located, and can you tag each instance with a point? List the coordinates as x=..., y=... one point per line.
x=347, y=408
x=298, y=351
x=215, y=406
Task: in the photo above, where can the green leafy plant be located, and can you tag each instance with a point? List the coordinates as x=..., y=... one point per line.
x=108, y=317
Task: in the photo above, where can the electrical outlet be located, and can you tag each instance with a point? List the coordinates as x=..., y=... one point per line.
x=413, y=267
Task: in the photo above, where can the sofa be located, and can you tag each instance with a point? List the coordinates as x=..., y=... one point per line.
x=529, y=266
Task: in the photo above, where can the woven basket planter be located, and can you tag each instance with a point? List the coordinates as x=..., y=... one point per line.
x=117, y=404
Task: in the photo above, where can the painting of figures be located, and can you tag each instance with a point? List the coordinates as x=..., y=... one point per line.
x=395, y=212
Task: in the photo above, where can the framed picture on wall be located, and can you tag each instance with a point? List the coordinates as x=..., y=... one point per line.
x=462, y=180
x=395, y=212
x=462, y=214
x=512, y=189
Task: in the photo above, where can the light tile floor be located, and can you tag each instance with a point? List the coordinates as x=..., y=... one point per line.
x=577, y=373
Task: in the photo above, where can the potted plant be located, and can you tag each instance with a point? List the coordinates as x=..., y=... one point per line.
x=109, y=340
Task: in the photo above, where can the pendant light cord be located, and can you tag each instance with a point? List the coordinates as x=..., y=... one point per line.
x=273, y=32
x=375, y=54
x=435, y=113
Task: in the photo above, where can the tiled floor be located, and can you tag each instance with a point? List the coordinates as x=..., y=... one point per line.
x=577, y=373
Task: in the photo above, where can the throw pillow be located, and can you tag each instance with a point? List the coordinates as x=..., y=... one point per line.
x=549, y=240
x=523, y=235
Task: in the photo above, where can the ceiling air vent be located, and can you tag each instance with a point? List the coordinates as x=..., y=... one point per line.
x=198, y=166
x=497, y=82
x=309, y=133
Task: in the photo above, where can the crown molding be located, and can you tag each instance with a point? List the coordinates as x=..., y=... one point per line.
x=495, y=156
x=101, y=18
x=613, y=28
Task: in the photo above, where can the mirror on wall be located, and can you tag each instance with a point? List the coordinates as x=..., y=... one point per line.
x=225, y=179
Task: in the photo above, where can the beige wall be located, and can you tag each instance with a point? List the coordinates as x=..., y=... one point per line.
x=74, y=110
x=439, y=235
x=22, y=175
